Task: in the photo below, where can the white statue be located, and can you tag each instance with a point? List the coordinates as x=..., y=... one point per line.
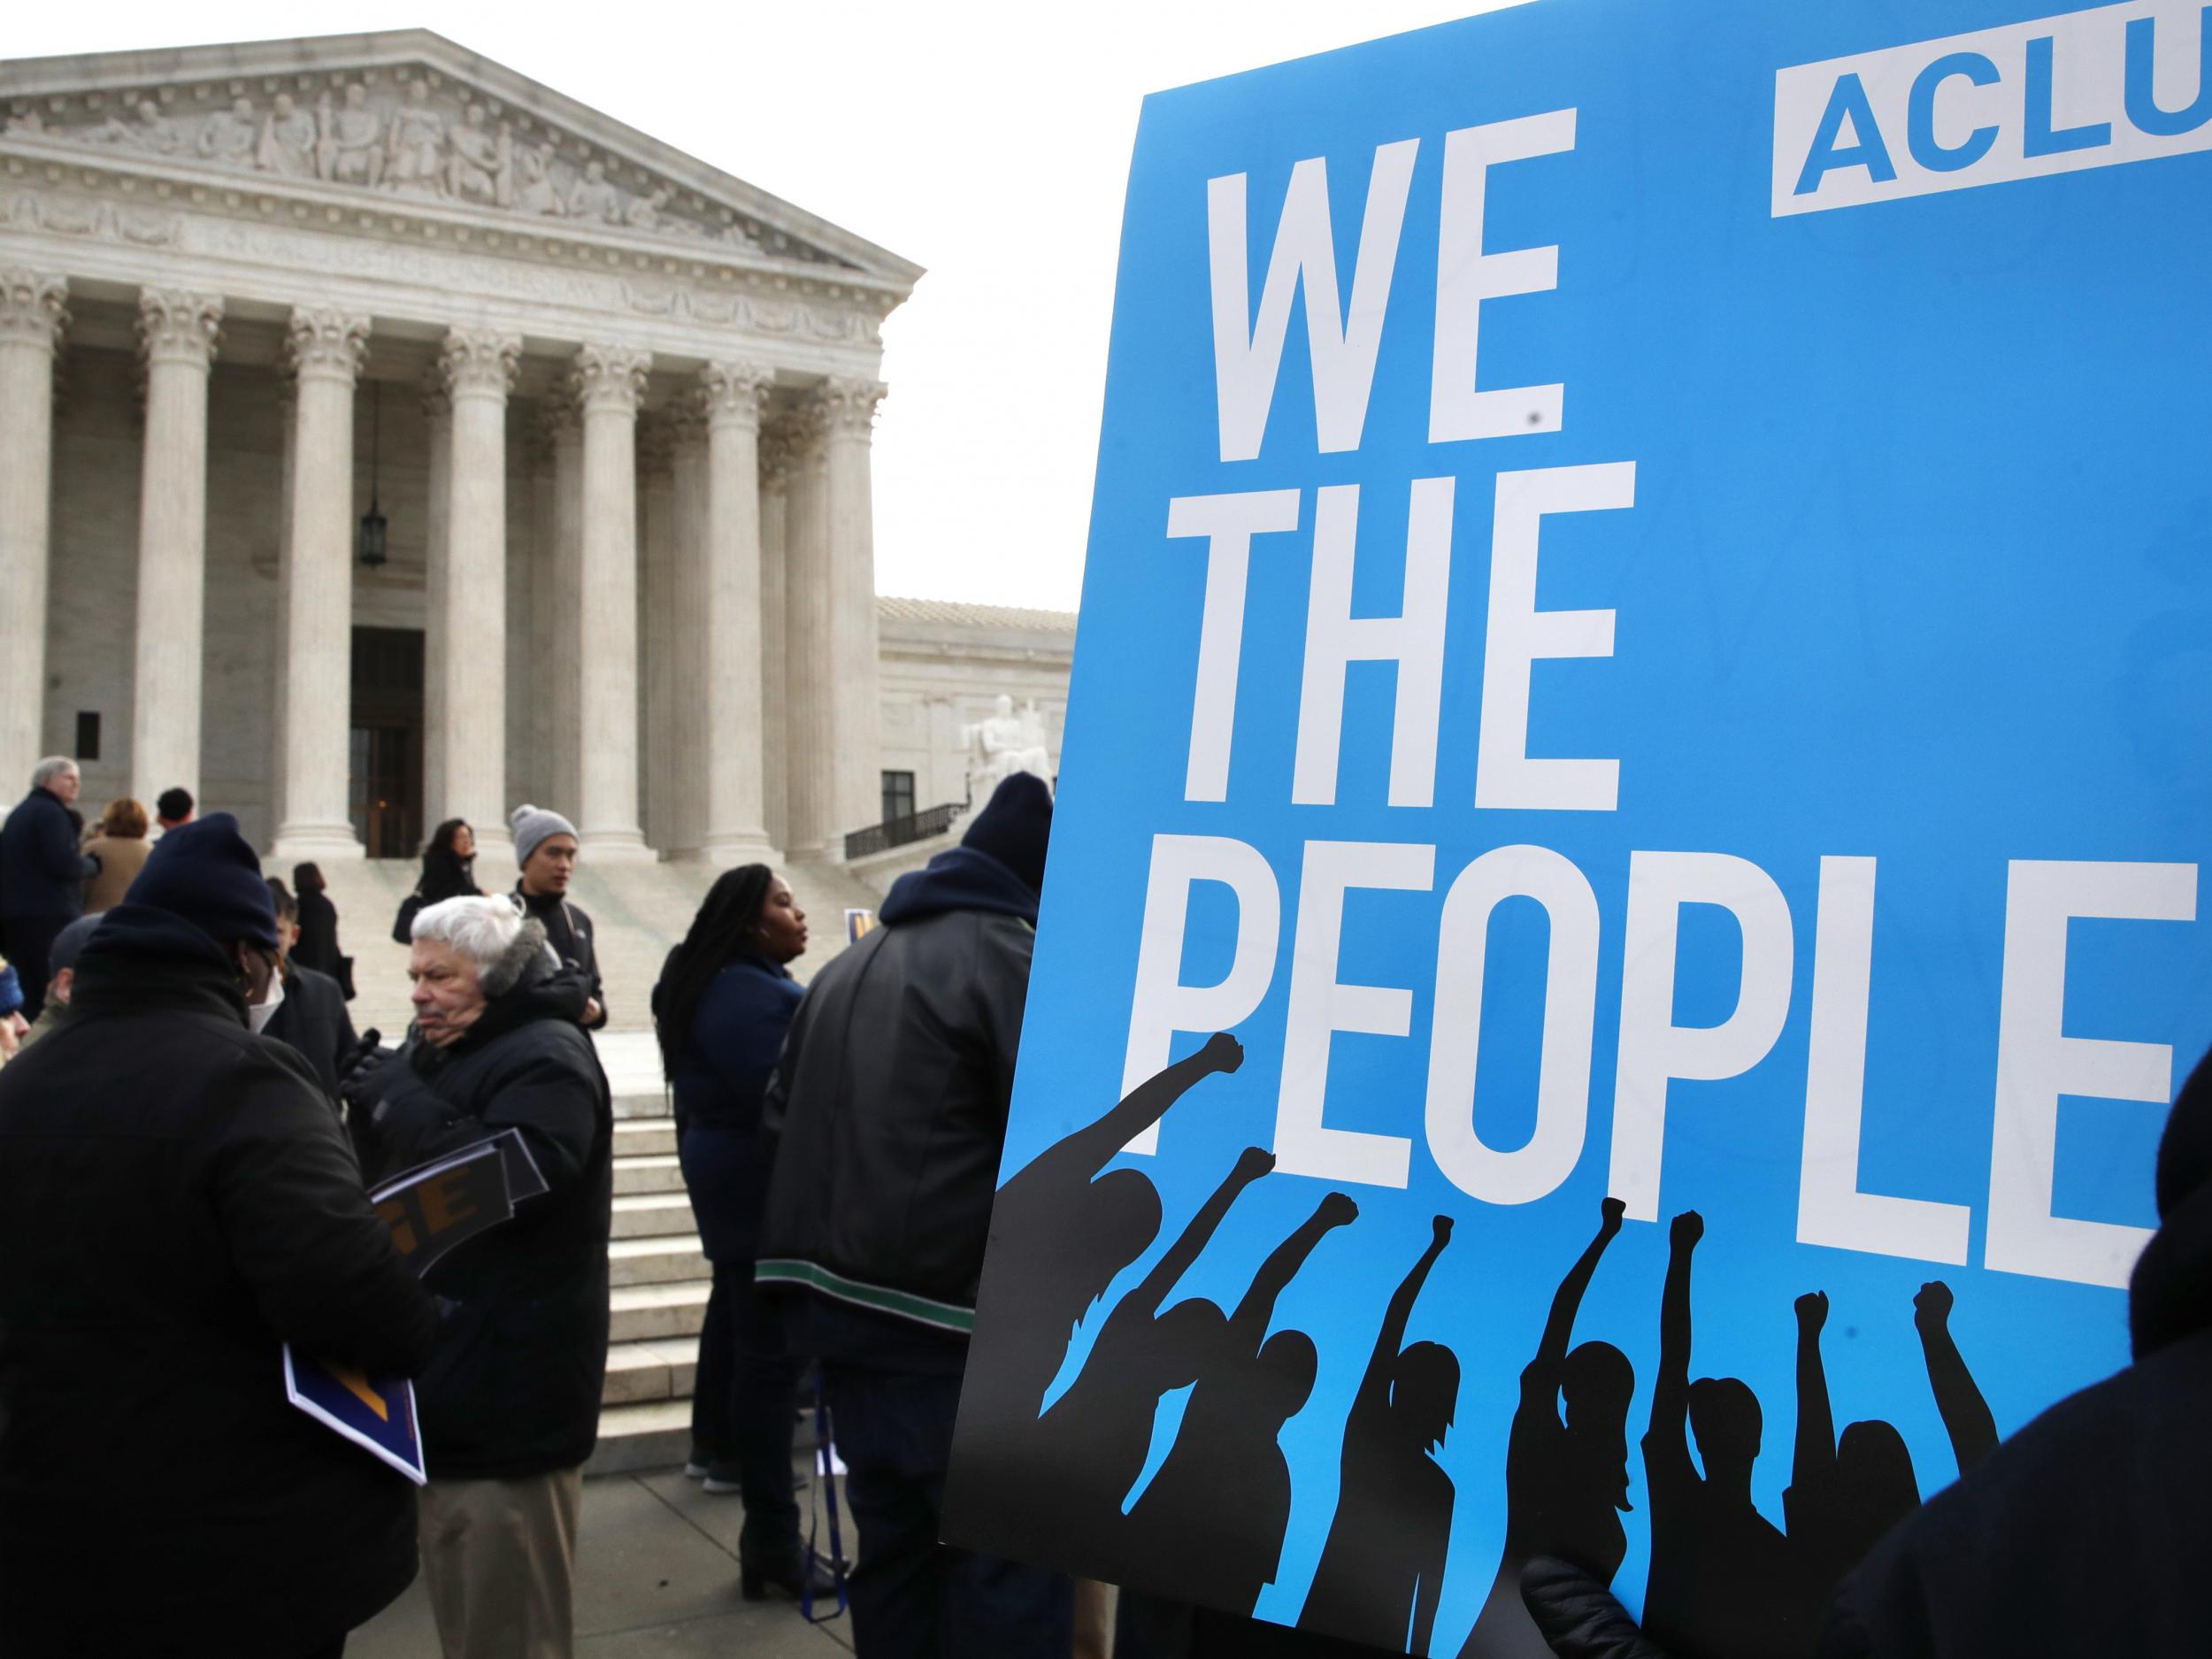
x=153, y=131
x=230, y=134
x=287, y=140
x=644, y=211
x=480, y=168
x=535, y=191
x=418, y=136
x=593, y=197
x=1005, y=743
x=352, y=147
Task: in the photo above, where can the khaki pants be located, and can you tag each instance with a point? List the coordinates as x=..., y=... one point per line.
x=499, y=1557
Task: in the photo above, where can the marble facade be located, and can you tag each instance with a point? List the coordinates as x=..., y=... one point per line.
x=615, y=404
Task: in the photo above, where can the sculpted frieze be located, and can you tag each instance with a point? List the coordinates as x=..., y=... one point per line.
x=413, y=136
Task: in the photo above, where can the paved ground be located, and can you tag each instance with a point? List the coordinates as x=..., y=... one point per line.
x=657, y=1579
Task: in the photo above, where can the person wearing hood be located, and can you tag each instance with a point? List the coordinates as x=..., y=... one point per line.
x=887, y=1116
x=2082, y=1533
x=177, y=1202
x=510, y=1406
x=545, y=852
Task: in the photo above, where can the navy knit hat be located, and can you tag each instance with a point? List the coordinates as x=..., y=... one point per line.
x=205, y=873
x=1014, y=825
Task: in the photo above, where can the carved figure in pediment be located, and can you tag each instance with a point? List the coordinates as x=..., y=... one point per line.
x=26, y=124
x=413, y=154
x=591, y=196
x=481, y=167
x=737, y=236
x=351, y=146
x=230, y=135
x=288, y=140
x=152, y=132
x=644, y=211
x=535, y=191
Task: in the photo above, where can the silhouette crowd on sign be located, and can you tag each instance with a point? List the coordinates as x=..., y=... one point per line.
x=1208, y=1527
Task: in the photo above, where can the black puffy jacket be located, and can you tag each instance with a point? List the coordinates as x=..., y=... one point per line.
x=887, y=1112
x=514, y=1390
x=313, y=1019
x=176, y=1201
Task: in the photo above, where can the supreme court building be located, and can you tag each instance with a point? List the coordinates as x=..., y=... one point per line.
x=606, y=410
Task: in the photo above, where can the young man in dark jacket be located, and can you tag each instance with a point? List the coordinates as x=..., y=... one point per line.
x=311, y=1015
x=511, y=1404
x=889, y=1115
x=177, y=1202
x=545, y=852
x=41, y=875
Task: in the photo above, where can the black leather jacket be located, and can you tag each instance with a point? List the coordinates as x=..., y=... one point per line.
x=888, y=1113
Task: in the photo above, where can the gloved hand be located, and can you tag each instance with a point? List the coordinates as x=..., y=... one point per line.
x=1578, y=1616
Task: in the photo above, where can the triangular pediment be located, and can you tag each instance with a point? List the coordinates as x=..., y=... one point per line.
x=407, y=120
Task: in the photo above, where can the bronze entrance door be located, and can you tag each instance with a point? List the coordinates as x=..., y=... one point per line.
x=385, y=762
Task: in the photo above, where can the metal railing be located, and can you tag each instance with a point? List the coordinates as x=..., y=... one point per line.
x=899, y=832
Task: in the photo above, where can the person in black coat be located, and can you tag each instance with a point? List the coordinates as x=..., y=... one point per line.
x=888, y=1109
x=449, y=864
x=176, y=1201
x=545, y=852
x=310, y=1013
x=42, y=874
x=317, y=946
x=721, y=1009
x=511, y=1404
x=2084, y=1533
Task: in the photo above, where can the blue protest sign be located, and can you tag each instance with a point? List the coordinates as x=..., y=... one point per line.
x=376, y=1413
x=1644, y=639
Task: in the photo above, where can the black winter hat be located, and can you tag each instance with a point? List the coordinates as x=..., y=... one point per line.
x=1014, y=825
x=205, y=873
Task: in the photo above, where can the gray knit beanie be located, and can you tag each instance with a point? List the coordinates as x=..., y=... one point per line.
x=532, y=825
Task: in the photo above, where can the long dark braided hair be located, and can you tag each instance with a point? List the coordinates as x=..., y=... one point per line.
x=725, y=926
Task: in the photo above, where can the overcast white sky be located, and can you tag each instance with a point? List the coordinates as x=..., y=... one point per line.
x=988, y=142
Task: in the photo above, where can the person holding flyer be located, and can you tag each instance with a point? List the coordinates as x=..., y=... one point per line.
x=177, y=1202
x=511, y=1405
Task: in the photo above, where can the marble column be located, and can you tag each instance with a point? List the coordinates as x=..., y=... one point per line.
x=657, y=624
x=33, y=313
x=323, y=348
x=856, y=792
x=775, y=480
x=608, y=381
x=478, y=366
x=722, y=593
x=567, y=656
x=176, y=333
x=810, y=693
x=685, y=647
x=437, y=416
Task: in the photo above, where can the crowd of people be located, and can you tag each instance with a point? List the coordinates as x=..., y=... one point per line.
x=191, y=1129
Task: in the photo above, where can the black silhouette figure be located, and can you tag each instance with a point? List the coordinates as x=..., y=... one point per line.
x=1060, y=1231
x=1566, y=1484
x=1209, y=1526
x=1382, y=1567
x=1094, y=1438
x=1724, y=1583
x=1843, y=1495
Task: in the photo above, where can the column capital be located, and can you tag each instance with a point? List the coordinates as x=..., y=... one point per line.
x=437, y=400
x=323, y=344
x=178, y=327
x=848, y=405
x=610, y=377
x=779, y=445
x=480, y=362
x=34, y=308
x=734, y=392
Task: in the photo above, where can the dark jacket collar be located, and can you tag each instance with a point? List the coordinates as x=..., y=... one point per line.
x=959, y=878
x=142, y=956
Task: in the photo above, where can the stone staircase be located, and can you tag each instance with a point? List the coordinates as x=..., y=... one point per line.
x=659, y=1279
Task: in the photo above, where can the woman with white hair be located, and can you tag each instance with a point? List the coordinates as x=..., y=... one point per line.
x=511, y=1404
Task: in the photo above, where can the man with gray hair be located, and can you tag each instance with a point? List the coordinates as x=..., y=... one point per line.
x=41, y=875
x=511, y=1404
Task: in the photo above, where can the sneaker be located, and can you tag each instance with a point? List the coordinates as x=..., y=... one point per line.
x=694, y=1470
x=720, y=1485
